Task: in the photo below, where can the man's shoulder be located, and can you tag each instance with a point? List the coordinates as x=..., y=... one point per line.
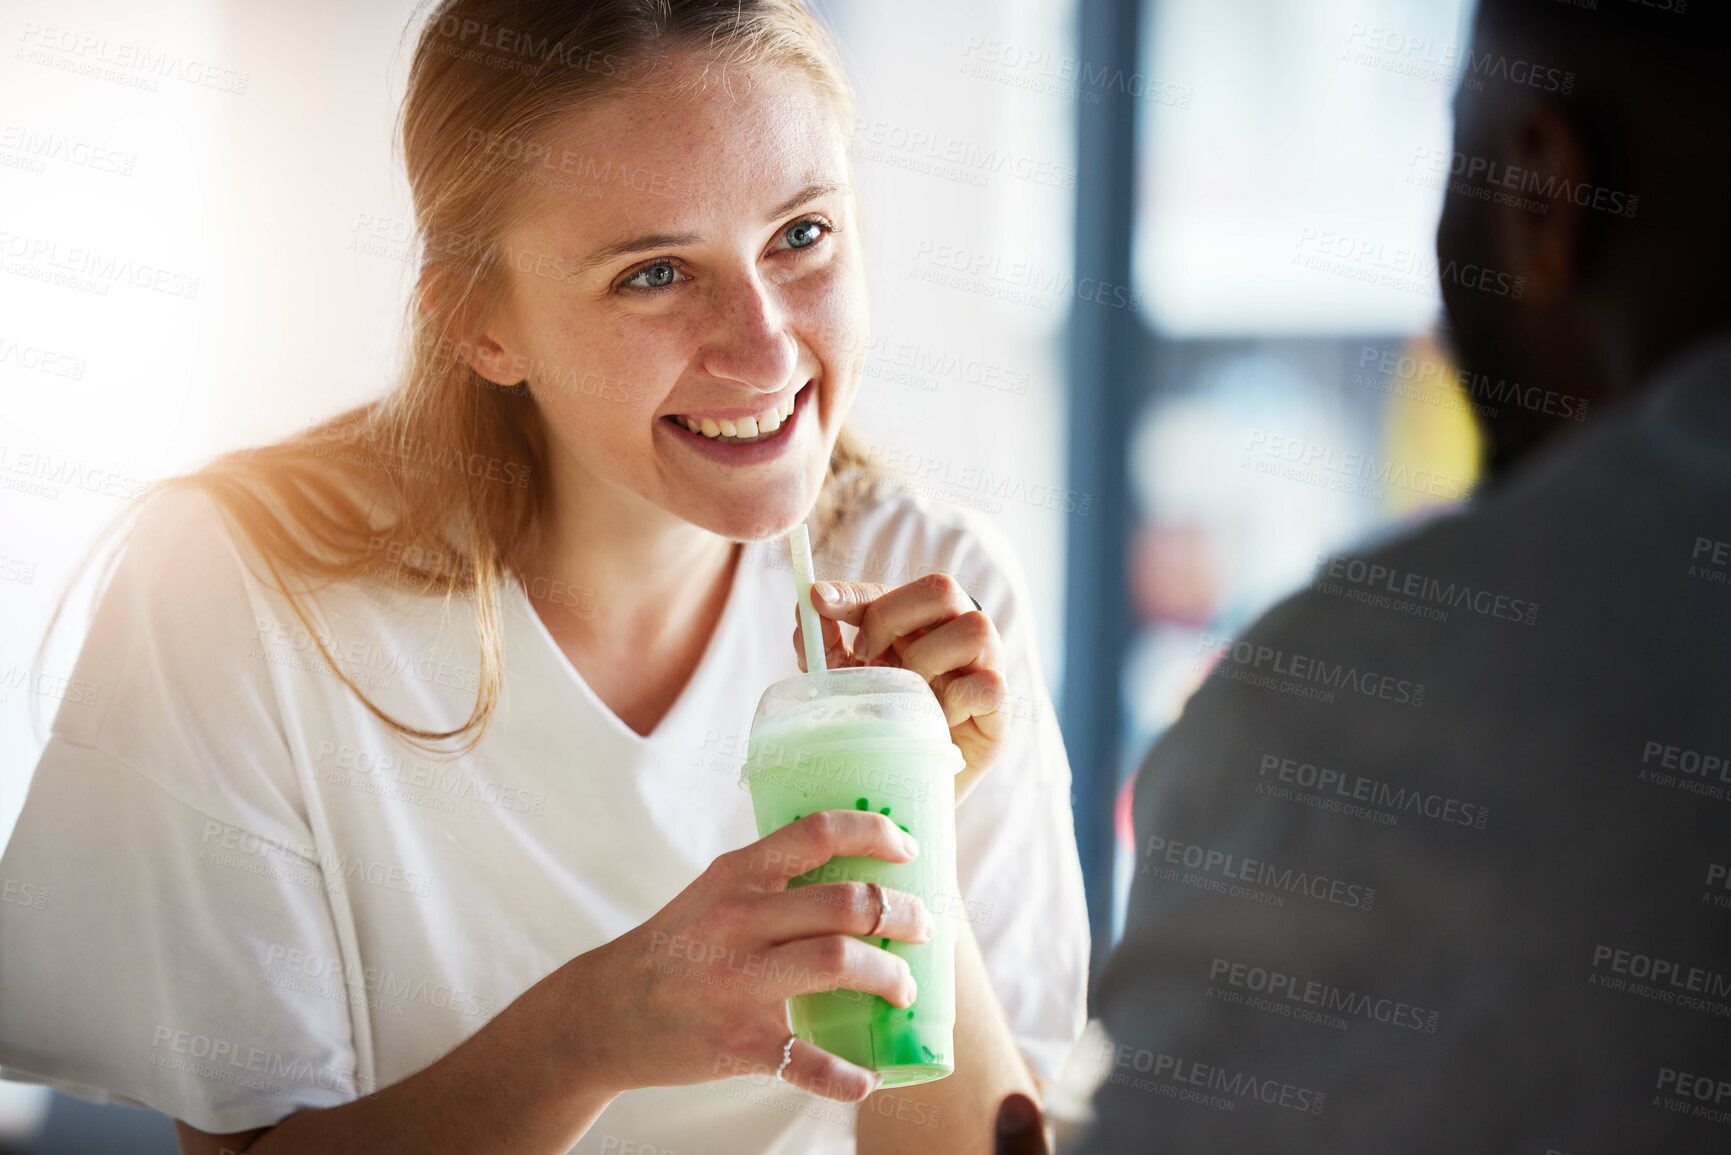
x=1599, y=517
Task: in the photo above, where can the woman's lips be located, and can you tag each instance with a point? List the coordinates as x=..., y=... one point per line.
x=735, y=452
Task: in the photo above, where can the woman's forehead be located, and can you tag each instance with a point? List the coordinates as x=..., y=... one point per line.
x=673, y=159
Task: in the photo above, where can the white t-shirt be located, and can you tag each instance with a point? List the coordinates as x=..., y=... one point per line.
x=249, y=897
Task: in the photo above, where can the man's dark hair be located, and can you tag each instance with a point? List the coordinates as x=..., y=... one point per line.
x=1646, y=90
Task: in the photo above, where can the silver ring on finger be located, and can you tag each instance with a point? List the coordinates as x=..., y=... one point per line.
x=883, y=910
x=786, y=1055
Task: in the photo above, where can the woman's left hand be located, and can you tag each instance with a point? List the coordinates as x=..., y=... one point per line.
x=932, y=627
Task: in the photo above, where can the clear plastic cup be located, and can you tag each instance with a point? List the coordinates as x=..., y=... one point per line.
x=870, y=738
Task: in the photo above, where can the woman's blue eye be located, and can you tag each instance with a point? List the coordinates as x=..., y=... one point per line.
x=660, y=276
x=811, y=229
x=664, y=274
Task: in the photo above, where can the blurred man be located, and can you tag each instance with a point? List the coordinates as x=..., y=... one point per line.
x=1439, y=859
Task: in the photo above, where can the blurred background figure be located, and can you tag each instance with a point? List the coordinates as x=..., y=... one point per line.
x=1436, y=858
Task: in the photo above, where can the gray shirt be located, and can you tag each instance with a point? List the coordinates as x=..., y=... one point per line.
x=1436, y=860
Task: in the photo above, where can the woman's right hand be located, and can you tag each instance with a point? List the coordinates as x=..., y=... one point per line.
x=697, y=993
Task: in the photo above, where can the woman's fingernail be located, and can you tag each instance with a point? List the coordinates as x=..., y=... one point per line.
x=825, y=592
x=911, y=847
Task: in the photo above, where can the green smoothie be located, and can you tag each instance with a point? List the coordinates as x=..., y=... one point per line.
x=870, y=738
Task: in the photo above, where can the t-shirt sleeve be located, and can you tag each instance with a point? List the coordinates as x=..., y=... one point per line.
x=163, y=860
x=1019, y=874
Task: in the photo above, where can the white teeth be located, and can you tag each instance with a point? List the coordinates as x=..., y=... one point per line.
x=762, y=425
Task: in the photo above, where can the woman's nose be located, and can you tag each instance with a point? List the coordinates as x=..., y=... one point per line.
x=750, y=342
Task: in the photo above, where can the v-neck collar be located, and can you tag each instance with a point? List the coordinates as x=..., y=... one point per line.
x=695, y=688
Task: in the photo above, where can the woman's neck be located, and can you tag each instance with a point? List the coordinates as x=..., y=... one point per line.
x=631, y=593
x=631, y=560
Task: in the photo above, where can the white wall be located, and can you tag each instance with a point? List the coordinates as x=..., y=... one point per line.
x=965, y=159
x=220, y=155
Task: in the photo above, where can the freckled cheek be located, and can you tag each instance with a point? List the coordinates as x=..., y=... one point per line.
x=614, y=376
x=594, y=420
x=834, y=319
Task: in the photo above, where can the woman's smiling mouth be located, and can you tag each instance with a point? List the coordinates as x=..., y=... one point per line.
x=770, y=429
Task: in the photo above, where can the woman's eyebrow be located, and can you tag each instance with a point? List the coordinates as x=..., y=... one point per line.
x=651, y=241
x=635, y=245
x=805, y=195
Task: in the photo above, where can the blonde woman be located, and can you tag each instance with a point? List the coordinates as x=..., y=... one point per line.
x=405, y=817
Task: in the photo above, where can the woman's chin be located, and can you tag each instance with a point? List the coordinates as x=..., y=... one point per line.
x=753, y=520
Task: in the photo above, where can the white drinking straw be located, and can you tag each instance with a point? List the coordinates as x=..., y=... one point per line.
x=799, y=546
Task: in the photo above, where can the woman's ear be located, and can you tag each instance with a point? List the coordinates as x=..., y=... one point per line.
x=486, y=352
x=1547, y=165
x=493, y=361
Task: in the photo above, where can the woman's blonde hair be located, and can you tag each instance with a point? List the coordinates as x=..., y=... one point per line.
x=436, y=487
